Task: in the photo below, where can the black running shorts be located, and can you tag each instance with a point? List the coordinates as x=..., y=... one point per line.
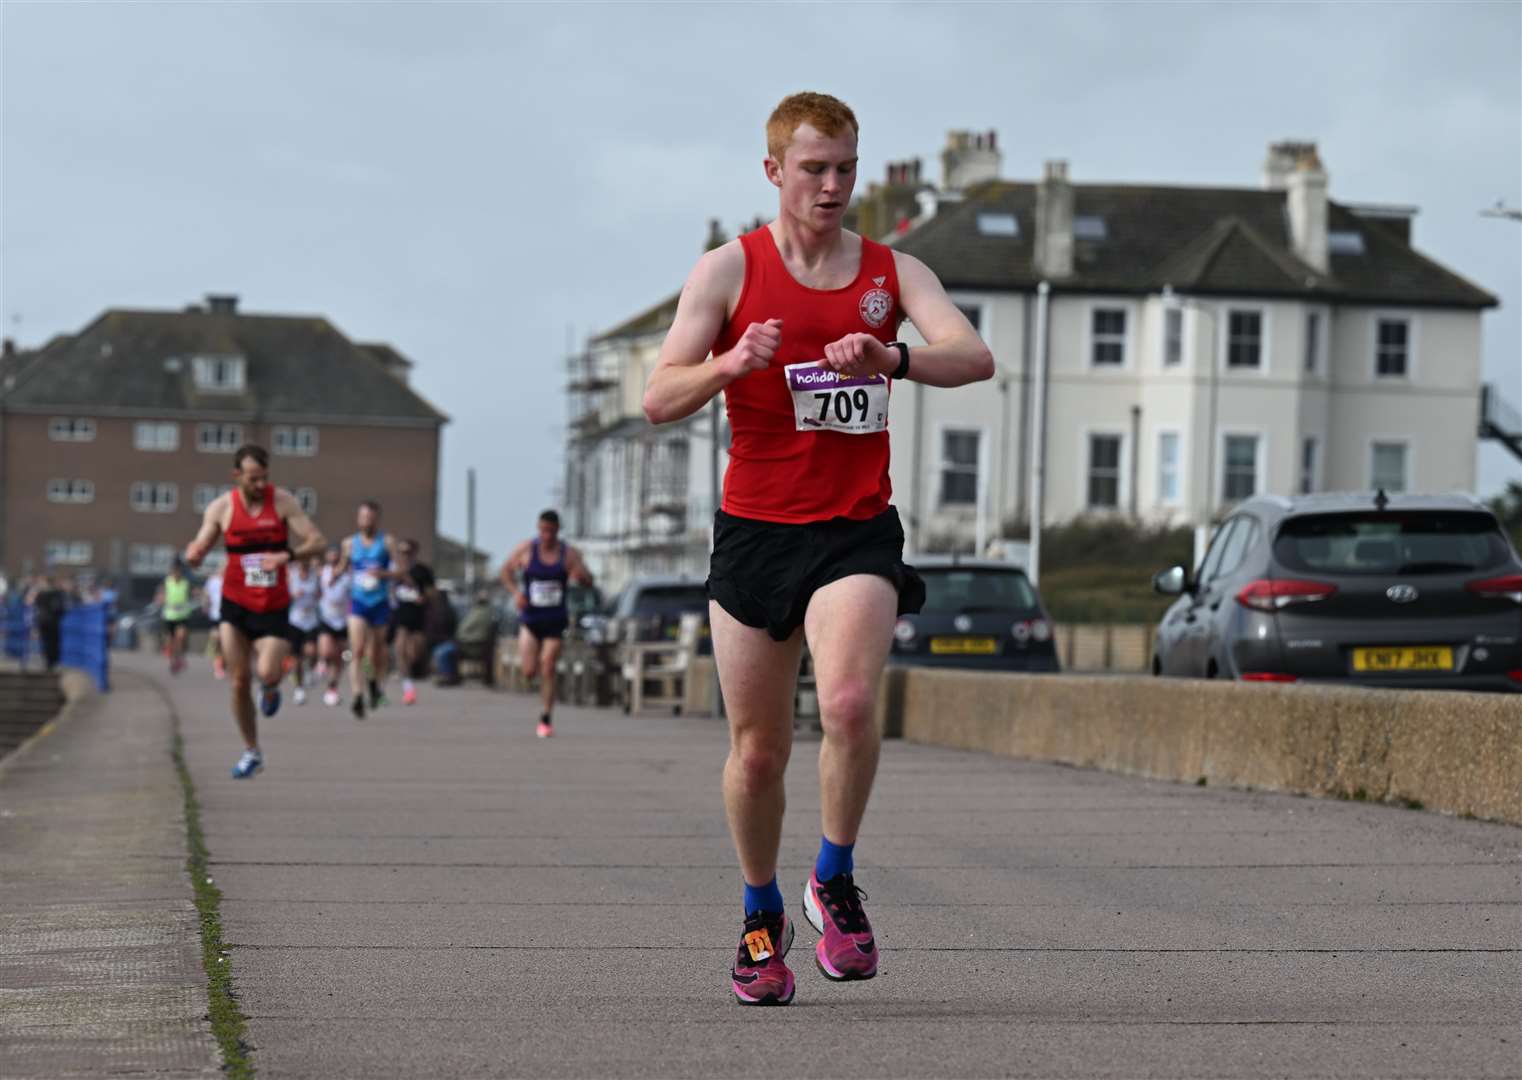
x=258, y=624
x=765, y=573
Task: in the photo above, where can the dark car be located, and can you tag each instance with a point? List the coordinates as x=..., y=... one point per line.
x=978, y=613
x=1392, y=591
x=650, y=609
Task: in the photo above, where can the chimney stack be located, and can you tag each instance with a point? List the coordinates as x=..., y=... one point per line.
x=1295, y=168
x=222, y=303
x=970, y=158
x=1054, y=222
x=716, y=237
x=8, y=347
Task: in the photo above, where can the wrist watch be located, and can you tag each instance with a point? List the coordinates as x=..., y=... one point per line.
x=903, y=362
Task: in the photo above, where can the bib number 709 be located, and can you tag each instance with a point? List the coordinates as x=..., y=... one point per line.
x=848, y=407
x=825, y=400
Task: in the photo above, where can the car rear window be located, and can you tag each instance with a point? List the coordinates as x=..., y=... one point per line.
x=671, y=600
x=1391, y=542
x=952, y=591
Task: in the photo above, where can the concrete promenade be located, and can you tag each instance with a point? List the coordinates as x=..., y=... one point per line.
x=434, y=892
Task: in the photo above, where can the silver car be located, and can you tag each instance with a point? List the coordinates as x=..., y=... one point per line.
x=1391, y=591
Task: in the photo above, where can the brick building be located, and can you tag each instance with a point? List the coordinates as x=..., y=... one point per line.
x=114, y=439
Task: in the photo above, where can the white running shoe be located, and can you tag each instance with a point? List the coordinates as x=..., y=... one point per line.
x=330, y=698
x=250, y=763
x=299, y=696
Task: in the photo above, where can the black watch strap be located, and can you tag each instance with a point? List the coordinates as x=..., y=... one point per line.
x=903, y=359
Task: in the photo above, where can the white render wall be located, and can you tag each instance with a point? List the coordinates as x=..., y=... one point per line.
x=1341, y=404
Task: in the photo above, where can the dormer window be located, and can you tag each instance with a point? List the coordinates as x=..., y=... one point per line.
x=998, y=225
x=1344, y=242
x=219, y=374
x=1089, y=227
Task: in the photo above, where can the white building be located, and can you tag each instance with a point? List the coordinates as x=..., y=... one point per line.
x=1203, y=345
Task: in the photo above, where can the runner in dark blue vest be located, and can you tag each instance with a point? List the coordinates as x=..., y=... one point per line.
x=538, y=573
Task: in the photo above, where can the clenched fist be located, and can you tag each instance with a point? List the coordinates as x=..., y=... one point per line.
x=859, y=355
x=754, y=350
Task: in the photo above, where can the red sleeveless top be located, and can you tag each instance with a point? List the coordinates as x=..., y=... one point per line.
x=777, y=472
x=248, y=538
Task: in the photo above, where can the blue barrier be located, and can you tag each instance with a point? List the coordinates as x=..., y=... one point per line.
x=17, y=628
x=85, y=643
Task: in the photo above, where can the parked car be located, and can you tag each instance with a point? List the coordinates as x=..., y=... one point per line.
x=978, y=613
x=1398, y=590
x=651, y=609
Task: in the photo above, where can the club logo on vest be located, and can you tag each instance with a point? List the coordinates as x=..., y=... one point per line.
x=876, y=305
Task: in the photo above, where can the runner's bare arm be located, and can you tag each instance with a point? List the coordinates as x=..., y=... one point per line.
x=310, y=540
x=512, y=566
x=954, y=354
x=682, y=382
x=211, y=528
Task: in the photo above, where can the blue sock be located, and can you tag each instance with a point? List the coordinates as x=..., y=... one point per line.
x=834, y=859
x=763, y=897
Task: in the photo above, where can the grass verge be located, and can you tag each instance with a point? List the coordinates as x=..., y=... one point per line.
x=227, y=1022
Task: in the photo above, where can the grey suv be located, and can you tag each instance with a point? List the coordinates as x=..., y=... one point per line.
x=1400, y=590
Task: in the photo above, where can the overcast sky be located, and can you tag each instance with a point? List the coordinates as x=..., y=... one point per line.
x=473, y=183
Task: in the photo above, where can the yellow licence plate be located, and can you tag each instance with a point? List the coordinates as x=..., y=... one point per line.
x=1425, y=658
x=981, y=646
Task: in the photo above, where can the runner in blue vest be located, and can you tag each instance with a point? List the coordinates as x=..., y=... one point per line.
x=537, y=574
x=368, y=554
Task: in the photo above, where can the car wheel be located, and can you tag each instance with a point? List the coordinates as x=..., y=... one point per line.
x=1211, y=670
x=1157, y=666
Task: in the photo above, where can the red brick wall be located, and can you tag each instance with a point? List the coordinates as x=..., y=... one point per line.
x=396, y=466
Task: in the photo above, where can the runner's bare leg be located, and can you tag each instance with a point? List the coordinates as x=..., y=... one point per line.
x=850, y=630
x=549, y=656
x=759, y=677
x=238, y=654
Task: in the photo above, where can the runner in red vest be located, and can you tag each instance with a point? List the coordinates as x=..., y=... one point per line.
x=795, y=324
x=256, y=522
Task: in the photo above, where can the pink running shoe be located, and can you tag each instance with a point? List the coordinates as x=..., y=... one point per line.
x=759, y=975
x=219, y=668
x=545, y=730
x=409, y=696
x=846, y=950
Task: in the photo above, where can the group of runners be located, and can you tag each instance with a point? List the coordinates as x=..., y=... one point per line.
x=796, y=324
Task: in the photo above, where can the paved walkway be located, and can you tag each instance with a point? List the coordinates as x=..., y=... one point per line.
x=100, y=955
x=435, y=892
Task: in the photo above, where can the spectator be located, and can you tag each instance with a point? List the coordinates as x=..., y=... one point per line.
x=476, y=637
x=48, y=605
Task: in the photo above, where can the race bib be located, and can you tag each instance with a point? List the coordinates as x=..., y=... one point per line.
x=255, y=576
x=406, y=594
x=368, y=582
x=545, y=593
x=824, y=400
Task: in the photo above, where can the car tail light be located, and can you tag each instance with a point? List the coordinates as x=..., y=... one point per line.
x=1500, y=588
x=1271, y=595
x=1041, y=630
x=904, y=632
x=1021, y=632
x=1515, y=675
x=1267, y=676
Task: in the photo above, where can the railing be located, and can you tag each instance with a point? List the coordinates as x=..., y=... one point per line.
x=1499, y=420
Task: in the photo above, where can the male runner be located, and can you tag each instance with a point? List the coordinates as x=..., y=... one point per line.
x=333, y=613
x=175, y=607
x=800, y=317
x=256, y=522
x=368, y=554
x=211, y=595
x=414, y=588
x=545, y=566
x=304, y=624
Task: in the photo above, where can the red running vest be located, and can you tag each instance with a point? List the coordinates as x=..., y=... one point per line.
x=776, y=472
x=248, y=539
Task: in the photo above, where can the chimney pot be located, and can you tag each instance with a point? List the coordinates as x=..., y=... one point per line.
x=968, y=159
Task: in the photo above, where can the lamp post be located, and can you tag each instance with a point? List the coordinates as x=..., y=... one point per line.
x=1207, y=503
